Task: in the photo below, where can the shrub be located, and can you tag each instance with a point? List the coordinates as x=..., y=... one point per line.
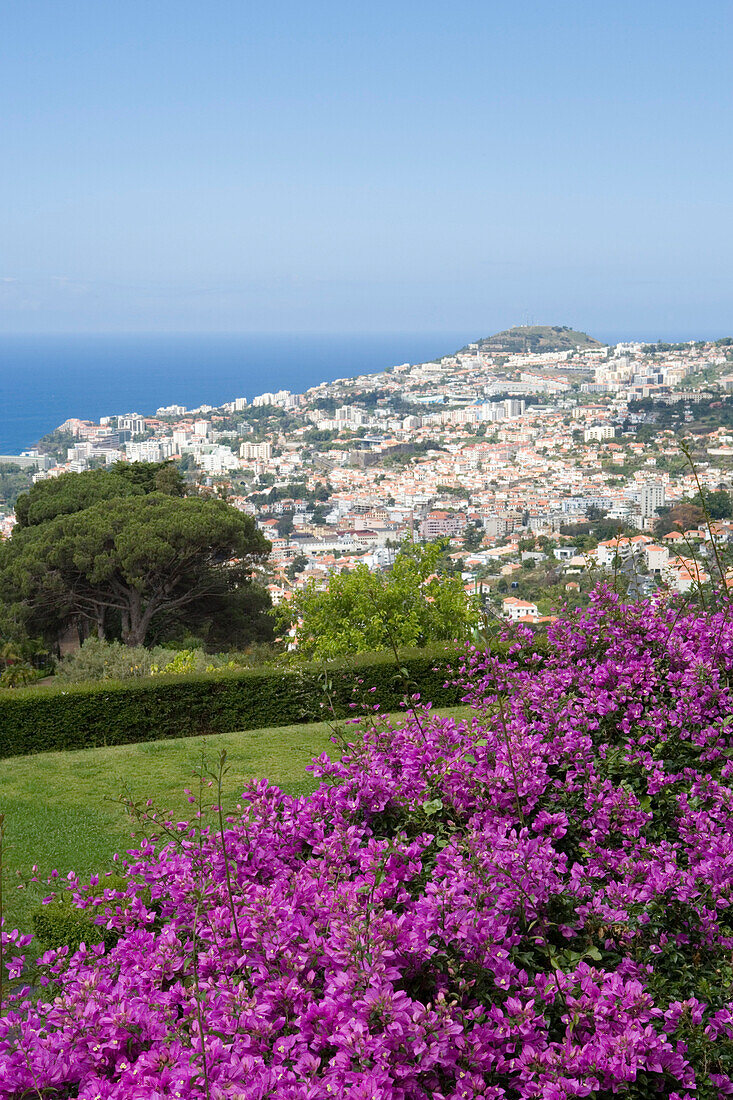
x=19, y=674
x=153, y=708
x=99, y=660
x=188, y=660
x=198, y=661
x=533, y=903
x=60, y=924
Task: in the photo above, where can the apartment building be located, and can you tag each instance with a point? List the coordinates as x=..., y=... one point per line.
x=439, y=524
x=261, y=451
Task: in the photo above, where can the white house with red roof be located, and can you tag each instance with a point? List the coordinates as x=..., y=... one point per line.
x=519, y=610
x=655, y=557
x=622, y=546
x=682, y=574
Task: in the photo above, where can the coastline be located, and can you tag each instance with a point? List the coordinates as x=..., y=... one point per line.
x=46, y=379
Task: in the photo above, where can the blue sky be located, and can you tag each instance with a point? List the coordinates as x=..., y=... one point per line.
x=366, y=166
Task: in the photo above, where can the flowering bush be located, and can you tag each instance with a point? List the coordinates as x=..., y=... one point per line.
x=532, y=903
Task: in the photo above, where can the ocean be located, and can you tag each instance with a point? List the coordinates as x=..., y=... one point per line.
x=45, y=379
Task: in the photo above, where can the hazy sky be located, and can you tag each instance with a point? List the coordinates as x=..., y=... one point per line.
x=366, y=165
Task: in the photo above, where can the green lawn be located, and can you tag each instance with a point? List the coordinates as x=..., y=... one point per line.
x=62, y=810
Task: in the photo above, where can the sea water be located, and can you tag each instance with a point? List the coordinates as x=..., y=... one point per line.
x=46, y=379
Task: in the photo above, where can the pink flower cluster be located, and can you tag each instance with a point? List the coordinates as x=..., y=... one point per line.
x=535, y=902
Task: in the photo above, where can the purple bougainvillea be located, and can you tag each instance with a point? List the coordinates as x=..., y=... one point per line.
x=535, y=902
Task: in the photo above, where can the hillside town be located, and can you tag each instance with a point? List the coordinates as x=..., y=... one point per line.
x=543, y=467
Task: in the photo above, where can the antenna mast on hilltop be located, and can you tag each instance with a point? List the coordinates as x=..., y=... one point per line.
x=526, y=323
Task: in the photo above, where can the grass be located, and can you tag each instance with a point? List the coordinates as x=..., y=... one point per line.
x=62, y=809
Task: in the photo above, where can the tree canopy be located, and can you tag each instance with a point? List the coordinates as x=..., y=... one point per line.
x=411, y=605
x=124, y=564
x=72, y=492
x=473, y=537
x=719, y=504
x=13, y=482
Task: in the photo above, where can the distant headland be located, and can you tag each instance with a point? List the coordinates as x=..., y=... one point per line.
x=533, y=338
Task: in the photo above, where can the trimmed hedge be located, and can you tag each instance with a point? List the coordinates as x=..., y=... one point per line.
x=60, y=924
x=118, y=713
x=123, y=712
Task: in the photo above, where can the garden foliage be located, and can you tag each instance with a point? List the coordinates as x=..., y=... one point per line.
x=97, y=548
x=97, y=660
x=415, y=603
x=151, y=709
x=532, y=903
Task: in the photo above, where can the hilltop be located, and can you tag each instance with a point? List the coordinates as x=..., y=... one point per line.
x=535, y=338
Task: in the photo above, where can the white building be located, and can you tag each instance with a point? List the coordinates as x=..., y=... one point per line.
x=217, y=460
x=349, y=414
x=150, y=450
x=515, y=610
x=261, y=451
x=656, y=557
x=610, y=549
x=651, y=497
x=282, y=397
x=495, y=526
x=131, y=422
x=180, y=438
x=623, y=547
x=599, y=432
x=682, y=574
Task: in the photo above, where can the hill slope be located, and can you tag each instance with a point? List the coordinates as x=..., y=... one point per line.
x=536, y=338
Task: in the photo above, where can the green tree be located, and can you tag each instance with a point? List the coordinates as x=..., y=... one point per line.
x=473, y=536
x=131, y=562
x=69, y=493
x=285, y=525
x=13, y=482
x=361, y=611
x=719, y=504
x=57, y=443
x=235, y=615
x=296, y=566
